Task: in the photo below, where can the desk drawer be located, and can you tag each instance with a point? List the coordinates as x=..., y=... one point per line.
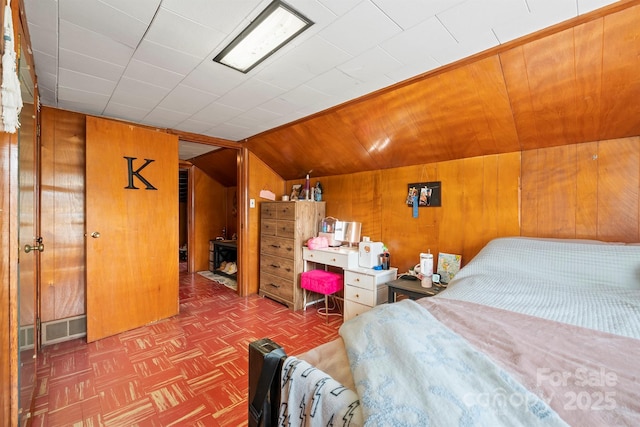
x=286, y=229
x=363, y=281
x=360, y=295
x=281, y=267
x=353, y=309
x=329, y=258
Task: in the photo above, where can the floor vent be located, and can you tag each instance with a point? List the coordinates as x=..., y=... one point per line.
x=64, y=330
x=25, y=338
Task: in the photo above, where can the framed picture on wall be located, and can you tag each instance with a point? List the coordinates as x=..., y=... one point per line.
x=426, y=194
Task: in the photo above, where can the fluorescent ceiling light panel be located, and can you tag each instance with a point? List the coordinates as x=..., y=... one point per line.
x=278, y=24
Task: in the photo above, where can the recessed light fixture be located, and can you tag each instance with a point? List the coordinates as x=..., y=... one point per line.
x=278, y=24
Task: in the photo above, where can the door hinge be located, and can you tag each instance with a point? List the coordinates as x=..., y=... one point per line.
x=38, y=130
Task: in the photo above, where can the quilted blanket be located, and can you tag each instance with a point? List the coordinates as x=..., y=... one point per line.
x=410, y=370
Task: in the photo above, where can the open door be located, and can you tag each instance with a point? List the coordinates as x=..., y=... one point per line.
x=132, y=226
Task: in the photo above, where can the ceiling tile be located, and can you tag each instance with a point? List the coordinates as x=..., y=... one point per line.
x=85, y=82
x=179, y=33
x=544, y=13
x=187, y=99
x=101, y=18
x=42, y=13
x=166, y=58
x=136, y=93
x=82, y=96
x=216, y=113
x=408, y=13
x=92, y=44
x=161, y=117
x=249, y=94
x=370, y=65
x=466, y=20
x=360, y=29
x=92, y=66
x=213, y=78
x=585, y=6
x=142, y=10
x=340, y=7
x=333, y=82
x=207, y=12
x=194, y=126
x=45, y=40
x=125, y=112
x=143, y=71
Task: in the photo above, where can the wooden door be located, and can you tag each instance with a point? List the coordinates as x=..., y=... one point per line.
x=132, y=227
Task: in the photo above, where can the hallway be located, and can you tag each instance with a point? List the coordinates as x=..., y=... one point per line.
x=188, y=370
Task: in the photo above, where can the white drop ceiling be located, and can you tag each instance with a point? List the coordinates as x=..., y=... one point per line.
x=150, y=61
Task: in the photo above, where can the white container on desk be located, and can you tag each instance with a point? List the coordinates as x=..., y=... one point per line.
x=365, y=288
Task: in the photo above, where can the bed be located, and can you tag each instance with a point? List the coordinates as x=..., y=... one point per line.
x=530, y=332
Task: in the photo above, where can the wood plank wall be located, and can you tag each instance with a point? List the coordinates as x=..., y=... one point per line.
x=585, y=191
x=62, y=284
x=210, y=215
x=480, y=198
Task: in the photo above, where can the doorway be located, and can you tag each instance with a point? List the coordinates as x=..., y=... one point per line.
x=212, y=207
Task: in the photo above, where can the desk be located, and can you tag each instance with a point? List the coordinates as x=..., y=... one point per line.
x=410, y=288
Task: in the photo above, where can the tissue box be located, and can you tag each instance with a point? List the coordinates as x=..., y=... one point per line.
x=368, y=253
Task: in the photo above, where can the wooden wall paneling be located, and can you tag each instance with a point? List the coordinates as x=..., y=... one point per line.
x=509, y=194
x=587, y=190
x=232, y=211
x=551, y=78
x=529, y=184
x=9, y=286
x=260, y=177
x=473, y=215
x=556, y=191
x=210, y=216
x=514, y=69
x=618, y=184
x=451, y=228
x=621, y=75
x=588, y=57
x=62, y=287
x=489, y=197
x=405, y=236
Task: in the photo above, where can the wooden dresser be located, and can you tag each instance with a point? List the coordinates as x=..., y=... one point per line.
x=284, y=228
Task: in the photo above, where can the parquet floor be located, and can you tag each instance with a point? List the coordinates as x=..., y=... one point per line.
x=189, y=370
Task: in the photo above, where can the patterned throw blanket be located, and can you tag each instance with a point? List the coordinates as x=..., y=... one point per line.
x=313, y=398
x=411, y=370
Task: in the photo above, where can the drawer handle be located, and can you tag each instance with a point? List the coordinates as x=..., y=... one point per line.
x=275, y=266
x=357, y=295
x=333, y=259
x=357, y=280
x=275, y=246
x=274, y=285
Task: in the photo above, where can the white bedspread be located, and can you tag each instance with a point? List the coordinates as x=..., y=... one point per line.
x=410, y=370
x=583, y=283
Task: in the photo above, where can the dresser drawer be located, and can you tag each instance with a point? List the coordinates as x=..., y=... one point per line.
x=281, y=267
x=277, y=287
x=286, y=229
x=286, y=211
x=363, y=281
x=360, y=295
x=268, y=227
x=268, y=210
x=277, y=246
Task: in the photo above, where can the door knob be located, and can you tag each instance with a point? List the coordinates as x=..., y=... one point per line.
x=95, y=234
x=39, y=247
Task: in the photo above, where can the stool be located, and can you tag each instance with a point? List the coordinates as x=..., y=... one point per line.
x=321, y=282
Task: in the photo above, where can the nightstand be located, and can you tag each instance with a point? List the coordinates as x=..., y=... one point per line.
x=411, y=288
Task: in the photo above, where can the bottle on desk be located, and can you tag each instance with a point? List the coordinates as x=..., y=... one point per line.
x=426, y=269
